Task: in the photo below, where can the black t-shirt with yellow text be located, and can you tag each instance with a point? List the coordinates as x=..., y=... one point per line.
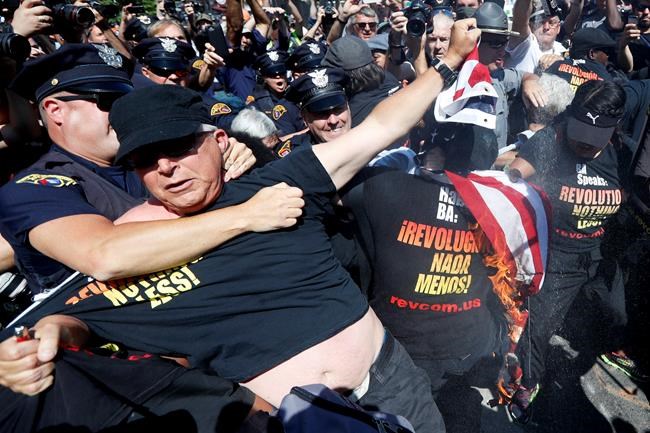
x=584, y=193
x=429, y=284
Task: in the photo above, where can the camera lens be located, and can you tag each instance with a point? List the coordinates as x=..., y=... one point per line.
x=15, y=46
x=416, y=25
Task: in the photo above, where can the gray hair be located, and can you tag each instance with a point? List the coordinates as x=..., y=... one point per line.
x=254, y=124
x=369, y=12
x=442, y=20
x=558, y=94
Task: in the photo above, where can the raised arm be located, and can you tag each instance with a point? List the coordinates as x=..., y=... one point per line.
x=262, y=21
x=391, y=119
x=521, y=12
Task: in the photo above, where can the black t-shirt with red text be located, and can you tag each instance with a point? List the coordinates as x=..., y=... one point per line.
x=429, y=284
x=584, y=193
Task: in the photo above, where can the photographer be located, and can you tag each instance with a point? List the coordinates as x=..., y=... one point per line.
x=361, y=21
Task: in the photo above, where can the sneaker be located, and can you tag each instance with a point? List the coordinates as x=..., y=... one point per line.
x=626, y=365
x=520, y=407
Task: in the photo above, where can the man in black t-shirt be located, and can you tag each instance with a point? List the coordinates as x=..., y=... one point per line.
x=297, y=318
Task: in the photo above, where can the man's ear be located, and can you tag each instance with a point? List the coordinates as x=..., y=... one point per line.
x=53, y=110
x=591, y=55
x=222, y=139
x=146, y=72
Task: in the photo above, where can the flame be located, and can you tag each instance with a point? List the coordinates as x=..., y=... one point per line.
x=504, y=286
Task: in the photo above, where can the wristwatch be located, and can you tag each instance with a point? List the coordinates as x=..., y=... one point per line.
x=448, y=76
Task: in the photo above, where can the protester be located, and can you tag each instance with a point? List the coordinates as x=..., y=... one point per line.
x=576, y=165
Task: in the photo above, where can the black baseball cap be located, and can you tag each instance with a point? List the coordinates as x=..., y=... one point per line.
x=590, y=128
x=590, y=39
x=156, y=114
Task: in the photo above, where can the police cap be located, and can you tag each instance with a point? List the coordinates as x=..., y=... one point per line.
x=307, y=57
x=319, y=90
x=165, y=53
x=272, y=63
x=83, y=68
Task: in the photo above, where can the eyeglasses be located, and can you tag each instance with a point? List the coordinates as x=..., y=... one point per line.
x=495, y=44
x=177, y=148
x=104, y=101
x=372, y=26
x=167, y=72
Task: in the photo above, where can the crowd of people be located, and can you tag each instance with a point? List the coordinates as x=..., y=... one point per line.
x=205, y=205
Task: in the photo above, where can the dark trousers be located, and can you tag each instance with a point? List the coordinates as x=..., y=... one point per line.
x=442, y=370
x=399, y=387
x=568, y=273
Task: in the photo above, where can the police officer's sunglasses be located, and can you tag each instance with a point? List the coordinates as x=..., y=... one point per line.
x=104, y=101
x=167, y=72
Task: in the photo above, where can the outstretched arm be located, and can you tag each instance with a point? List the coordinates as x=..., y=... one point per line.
x=345, y=156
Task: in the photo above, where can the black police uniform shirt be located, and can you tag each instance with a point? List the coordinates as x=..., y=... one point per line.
x=284, y=113
x=240, y=309
x=36, y=196
x=239, y=76
x=584, y=193
x=429, y=285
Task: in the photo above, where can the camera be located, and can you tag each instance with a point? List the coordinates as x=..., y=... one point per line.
x=14, y=46
x=418, y=14
x=170, y=7
x=107, y=10
x=136, y=10
x=68, y=16
x=329, y=8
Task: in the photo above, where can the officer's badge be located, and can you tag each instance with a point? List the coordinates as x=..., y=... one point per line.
x=285, y=149
x=319, y=78
x=250, y=99
x=198, y=64
x=168, y=44
x=314, y=48
x=220, y=108
x=109, y=55
x=53, y=180
x=278, y=111
x=273, y=55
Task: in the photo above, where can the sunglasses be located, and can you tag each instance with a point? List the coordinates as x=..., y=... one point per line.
x=178, y=148
x=104, y=101
x=167, y=72
x=370, y=26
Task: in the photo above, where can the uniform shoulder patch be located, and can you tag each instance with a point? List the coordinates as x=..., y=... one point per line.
x=250, y=99
x=278, y=111
x=198, y=64
x=53, y=180
x=285, y=149
x=220, y=108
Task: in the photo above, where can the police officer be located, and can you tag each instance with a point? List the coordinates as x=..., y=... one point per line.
x=169, y=61
x=269, y=96
x=164, y=61
x=306, y=58
x=324, y=107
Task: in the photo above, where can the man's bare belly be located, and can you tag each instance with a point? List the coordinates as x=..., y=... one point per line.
x=340, y=362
